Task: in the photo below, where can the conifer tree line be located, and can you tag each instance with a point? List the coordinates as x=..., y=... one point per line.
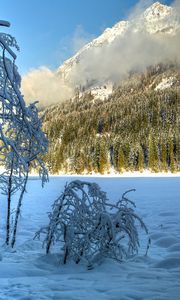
x=136, y=128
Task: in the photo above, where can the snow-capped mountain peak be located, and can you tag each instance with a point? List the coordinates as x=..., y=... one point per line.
x=157, y=11
x=157, y=20
x=160, y=18
x=110, y=34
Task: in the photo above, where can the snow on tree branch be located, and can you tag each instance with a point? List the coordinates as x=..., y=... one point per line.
x=88, y=227
x=22, y=141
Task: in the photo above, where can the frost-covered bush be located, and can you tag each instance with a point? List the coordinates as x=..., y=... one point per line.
x=86, y=226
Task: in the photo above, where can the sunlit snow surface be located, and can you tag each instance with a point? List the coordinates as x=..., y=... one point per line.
x=27, y=273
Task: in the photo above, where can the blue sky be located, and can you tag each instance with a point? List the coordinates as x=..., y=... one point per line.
x=46, y=30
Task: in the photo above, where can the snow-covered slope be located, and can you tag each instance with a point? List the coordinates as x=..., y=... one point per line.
x=26, y=273
x=166, y=83
x=157, y=20
x=107, y=37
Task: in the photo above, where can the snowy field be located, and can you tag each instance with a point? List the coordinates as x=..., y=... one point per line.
x=26, y=273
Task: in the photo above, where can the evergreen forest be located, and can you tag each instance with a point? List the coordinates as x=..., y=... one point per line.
x=136, y=128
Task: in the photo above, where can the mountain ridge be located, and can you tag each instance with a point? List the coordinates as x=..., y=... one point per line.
x=147, y=38
x=156, y=20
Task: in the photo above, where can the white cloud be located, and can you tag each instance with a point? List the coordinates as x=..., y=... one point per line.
x=139, y=8
x=80, y=38
x=69, y=45
x=44, y=85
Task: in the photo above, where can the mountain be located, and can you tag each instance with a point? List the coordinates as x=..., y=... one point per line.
x=135, y=128
x=97, y=62
x=125, y=112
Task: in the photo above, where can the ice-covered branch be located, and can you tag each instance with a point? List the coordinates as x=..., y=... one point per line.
x=89, y=227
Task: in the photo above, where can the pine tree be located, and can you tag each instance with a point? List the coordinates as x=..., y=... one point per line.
x=103, y=159
x=140, y=165
x=153, y=155
x=121, y=160
x=164, y=166
x=171, y=154
x=178, y=151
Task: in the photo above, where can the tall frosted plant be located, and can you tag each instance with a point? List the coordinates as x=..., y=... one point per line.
x=22, y=141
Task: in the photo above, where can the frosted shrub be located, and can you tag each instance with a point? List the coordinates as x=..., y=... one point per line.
x=87, y=227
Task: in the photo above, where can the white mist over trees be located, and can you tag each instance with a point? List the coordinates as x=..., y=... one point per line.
x=44, y=85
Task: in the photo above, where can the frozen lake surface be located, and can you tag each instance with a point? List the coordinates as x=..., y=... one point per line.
x=26, y=273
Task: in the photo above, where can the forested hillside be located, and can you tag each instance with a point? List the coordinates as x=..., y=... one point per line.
x=136, y=128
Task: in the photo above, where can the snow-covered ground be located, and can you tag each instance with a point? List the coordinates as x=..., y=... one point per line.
x=112, y=174
x=26, y=273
